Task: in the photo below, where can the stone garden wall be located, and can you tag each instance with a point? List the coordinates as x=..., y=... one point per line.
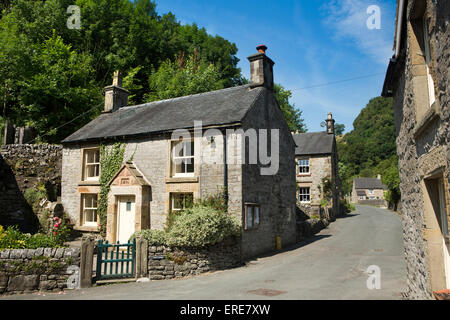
x=169, y=263
x=42, y=269
x=25, y=168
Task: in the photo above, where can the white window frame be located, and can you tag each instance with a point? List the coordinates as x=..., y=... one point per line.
x=173, y=195
x=92, y=208
x=87, y=164
x=305, y=165
x=252, y=216
x=174, y=159
x=304, y=194
x=371, y=191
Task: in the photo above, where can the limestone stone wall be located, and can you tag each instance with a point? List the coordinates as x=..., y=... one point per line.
x=42, y=269
x=28, y=166
x=168, y=263
x=320, y=167
x=274, y=193
x=422, y=134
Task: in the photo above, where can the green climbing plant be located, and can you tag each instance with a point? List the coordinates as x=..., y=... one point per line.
x=111, y=159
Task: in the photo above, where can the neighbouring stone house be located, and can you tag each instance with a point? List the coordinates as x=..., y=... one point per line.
x=368, y=191
x=162, y=172
x=316, y=160
x=418, y=79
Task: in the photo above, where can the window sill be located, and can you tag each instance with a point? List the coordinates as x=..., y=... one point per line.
x=303, y=174
x=430, y=116
x=86, y=228
x=182, y=180
x=89, y=183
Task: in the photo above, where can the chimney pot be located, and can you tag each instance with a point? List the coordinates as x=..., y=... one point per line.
x=261, y=48
x=330, y=123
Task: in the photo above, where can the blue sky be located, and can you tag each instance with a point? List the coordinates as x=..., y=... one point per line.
x=312, y=42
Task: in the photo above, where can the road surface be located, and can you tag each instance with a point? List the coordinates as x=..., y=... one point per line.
x=331, y=265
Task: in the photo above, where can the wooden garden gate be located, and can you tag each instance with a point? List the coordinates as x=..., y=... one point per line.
x=115, y=260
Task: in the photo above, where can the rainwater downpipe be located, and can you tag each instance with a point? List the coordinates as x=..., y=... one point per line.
x=399, y=28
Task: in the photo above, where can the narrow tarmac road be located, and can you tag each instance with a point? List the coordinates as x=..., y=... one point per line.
x=331, y=265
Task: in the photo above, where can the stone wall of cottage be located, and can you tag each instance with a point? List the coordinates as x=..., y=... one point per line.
x=421, y=149
x=42, y=269
x=169, y=263
x=320, y=167
x=151, y=156
x=23, y=167
x=275, y=193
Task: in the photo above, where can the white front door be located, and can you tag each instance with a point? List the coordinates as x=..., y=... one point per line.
x=125, y=218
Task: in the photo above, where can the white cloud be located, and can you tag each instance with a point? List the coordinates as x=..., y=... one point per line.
x=348, y=20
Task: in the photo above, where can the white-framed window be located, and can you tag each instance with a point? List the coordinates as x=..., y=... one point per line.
x=362, y=197
x=303, y=166
x=304, y=194
x=91, y=164
x=252, y=216
x=182, y=158
x=89, y=209
x=371, y=191
x=179, y=201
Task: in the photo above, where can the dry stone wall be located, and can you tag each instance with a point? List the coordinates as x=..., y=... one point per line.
x=168, y=263
x=42, y=269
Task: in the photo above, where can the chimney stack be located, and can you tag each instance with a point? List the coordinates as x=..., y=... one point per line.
x=379, y=176
x=115, y=96
x=330, y=123
x=261, y=69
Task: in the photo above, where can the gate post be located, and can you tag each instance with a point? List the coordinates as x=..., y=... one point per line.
x=87, y=261
x=141, y=257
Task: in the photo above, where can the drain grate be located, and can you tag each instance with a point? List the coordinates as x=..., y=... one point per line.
x=266, y=292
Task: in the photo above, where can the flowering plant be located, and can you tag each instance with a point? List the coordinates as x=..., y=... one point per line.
x=60, y=229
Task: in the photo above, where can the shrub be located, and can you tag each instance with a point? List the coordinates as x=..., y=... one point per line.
x=61, y=229
x=12, y=238
x=154, y=237
x=200, y=226
x=33, y=195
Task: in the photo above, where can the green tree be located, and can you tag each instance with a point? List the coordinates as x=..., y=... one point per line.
x=292, y=115
x=183, y=77
x=339, y=129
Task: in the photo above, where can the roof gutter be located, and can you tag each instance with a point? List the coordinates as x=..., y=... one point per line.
x=387, y=86
x=399, y=28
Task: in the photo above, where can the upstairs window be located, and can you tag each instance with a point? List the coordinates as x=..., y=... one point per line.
x=303, y=166
x=304, y=195
x=91, y=164
x=182, y=158
x=427, y=56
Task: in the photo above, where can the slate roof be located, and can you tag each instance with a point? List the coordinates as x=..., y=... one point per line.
x=368, y=183
x=313, y=143
x=226, y=106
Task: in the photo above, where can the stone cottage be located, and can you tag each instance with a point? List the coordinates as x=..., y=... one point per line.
x=368, y=191
x=316, y=161
x=185, y=148
x=417, y=78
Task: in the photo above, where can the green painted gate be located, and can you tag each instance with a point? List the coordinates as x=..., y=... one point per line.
x=115, y=260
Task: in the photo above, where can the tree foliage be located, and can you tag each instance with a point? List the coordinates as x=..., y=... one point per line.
x=183, y=77
x=292, y=114
x=38, y=54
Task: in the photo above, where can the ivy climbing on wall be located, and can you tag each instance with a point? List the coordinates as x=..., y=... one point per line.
x=111, y=159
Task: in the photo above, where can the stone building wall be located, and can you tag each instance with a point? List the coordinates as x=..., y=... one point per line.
x=275, y=193
x=168, y=263
x=320, y=167
x=42, y=269
x=23, y=167
x=423, y=139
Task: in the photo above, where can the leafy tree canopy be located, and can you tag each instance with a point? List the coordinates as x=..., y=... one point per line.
x=292, y=114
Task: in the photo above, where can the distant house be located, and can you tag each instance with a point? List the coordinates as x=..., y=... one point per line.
x=317, y=168
x=161, y=173
x=368, y=191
